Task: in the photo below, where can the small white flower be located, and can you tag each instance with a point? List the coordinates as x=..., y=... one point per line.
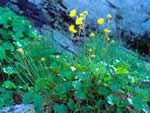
x=73, y=68
x=97, y=69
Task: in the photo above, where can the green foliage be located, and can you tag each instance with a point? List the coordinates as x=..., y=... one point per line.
x=9, y=85
x=60, y=108
x=75, y=87
x=5, y=98
x=36, y=99
x=15, y=32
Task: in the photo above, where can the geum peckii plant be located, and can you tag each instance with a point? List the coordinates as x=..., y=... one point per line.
x=91, y=84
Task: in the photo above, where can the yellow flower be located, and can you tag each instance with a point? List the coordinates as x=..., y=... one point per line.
x=81, y=14
x=90, y=50
x=92, y=35
x=93, y=56
x=73, y=13
x=20, y=50
x=57, y=57
x=79, y=21
x=86, y=12
x=108, y=38
x=42, y=59
x=112, y=42
x=100, y=21
x=72, y=29
x=109, y=16
x=107, y=31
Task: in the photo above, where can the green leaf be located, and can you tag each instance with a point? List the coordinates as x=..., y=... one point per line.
x=119, y=65
x=113, y=100
x=142, y=92
x=80, y=94
x=67, y=74
x=82, y=76
x=60, y=108
x=41, y=82
x=77, y=66
x=138, y=102
x=146, y=108
x=2, y=53
x=122, y=71
x=103, y=91
x=38, y=101
x=115, y=87
x=28, y=98
x=9, y=85
x=9, y=70
x=61, y=89
x=1, y=102
x=8, y=46
x=71, y=104
x=77, y=85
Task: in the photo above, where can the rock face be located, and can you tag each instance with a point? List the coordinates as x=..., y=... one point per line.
x=131, y=18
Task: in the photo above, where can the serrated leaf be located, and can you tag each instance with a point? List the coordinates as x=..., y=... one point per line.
x=82, y=76
x=122, y=71
x=80, y=94
x=8, y=46
x=61, y=89
x=9, y=85
x=9, y=70
x=103, y=91
x=138, y=102
x=60, y=108
x=77, y=85
x=113, y=100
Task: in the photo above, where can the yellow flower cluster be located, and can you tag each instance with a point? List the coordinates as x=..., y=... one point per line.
x=72, y=29
x=82, y=17
x=79, y=20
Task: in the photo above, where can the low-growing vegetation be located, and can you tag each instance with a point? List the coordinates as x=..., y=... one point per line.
x=103, y=77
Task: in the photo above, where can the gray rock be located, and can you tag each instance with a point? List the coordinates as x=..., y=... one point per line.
x=18, y=109
x=64, y=43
